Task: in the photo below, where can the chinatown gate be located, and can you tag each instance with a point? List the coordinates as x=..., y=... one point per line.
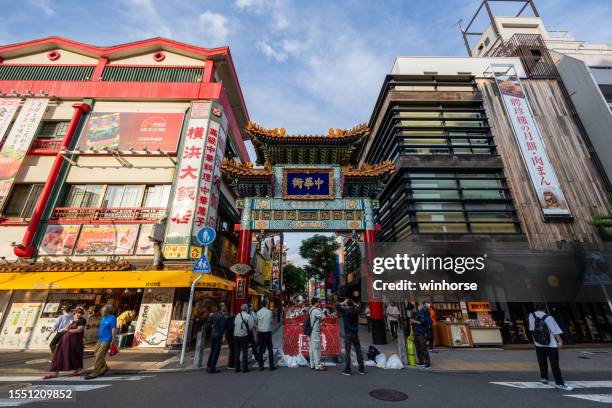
x=307, y=183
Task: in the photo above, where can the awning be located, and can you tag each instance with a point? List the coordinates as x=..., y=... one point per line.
x=253, y=292
x=108, y=280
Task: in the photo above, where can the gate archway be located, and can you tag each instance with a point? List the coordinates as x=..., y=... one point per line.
x=307, y=183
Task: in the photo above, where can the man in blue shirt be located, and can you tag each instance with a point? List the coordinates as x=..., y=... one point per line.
x=60, y=327
x=106, y=334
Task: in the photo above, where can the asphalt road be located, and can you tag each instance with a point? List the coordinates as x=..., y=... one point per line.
x=301, y=387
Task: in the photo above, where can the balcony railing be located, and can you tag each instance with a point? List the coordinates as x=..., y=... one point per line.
x=46, y=144
x=107, y=215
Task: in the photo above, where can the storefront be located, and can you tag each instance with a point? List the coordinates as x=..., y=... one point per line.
x=147, y=304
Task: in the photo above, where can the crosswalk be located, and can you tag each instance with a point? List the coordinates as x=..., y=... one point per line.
x=34, y=385
x=577, y=385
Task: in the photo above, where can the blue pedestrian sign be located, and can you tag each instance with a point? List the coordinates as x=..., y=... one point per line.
x=206, y=236
x=202, y=266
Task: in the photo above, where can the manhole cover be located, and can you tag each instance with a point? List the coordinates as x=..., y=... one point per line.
x=388, y=395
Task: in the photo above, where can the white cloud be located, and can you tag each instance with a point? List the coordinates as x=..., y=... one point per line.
x=214, y=27
x=145, y=20
x=44, y=6
x=271, y=52
x=254, y=6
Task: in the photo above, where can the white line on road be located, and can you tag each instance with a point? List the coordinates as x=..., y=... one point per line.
x=539, y=385
x=605, y=398
x=73, y=379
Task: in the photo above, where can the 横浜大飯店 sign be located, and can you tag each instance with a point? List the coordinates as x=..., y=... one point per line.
x=308, y=184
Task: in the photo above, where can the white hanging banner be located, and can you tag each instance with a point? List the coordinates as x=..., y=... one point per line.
x=18, y=142
x=543, y=177
x=8, y=107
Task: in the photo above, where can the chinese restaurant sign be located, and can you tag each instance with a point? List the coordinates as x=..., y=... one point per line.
x=276, y=276
x=154, y=318
x=308, y=184
x=132, y=130
x=197, y=181
x=543, y=177
x=18, y=142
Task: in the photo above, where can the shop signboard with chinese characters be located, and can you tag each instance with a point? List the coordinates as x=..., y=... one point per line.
x=18, y=143
x=542, y=175
x=154, y=318
x=308, y=184
x=8, y=107
x=132, y=130
x=479, y=307
x=276, y=273
x=187, y=182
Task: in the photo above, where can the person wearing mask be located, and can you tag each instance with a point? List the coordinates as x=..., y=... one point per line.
x=315, y=314
x=350, y=319
x=546, y=336
x=393, y=315
x=60, y=327
x=243, y=325
x=217, y=322
x=106, y=336
x=420, y=321
x=68, y=355
x=264, y=335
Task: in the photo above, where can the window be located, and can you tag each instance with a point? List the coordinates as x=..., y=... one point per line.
x=460, y=203
x=156, y=196
x=122, y=196
x=22, y=201
x=53, y=129
x=83, y=196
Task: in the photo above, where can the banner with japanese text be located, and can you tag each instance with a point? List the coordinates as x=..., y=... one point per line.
x=187, y=182
x=18, y=143
x=210, y=177
x=8, y=107
x=543, y=177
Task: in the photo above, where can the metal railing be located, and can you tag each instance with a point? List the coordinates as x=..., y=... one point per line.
x=46, y=144
x=93, y=214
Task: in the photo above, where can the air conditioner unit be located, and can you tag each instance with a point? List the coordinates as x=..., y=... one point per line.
x=158, y=232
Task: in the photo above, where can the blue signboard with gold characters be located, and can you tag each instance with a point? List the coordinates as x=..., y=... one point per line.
x=308, y=184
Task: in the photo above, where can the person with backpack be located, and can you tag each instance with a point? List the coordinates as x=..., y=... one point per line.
x=420, y=322
x=350, y=318
x=243, y=325
x=312, y=328
x=546, y=336
x=217, y=322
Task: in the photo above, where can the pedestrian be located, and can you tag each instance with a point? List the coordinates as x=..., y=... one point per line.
x=393, y=315
x=68, y=355
x=229, y=336
x=60, y=327
x=315, y=314
x=546, y=336
x=264, y=335
x=252, y=342
x=243, y=324
x=430, y=335
x=350, y=319
x=420, y=321
x=106, y=336
x=217, y=322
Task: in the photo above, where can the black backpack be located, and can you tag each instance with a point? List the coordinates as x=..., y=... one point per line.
x=541, y=332
x=308, y=325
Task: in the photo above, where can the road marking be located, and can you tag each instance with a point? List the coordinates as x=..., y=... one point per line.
x=8, y=402
x=74, y=379
x=539, y=385
x=605, y=398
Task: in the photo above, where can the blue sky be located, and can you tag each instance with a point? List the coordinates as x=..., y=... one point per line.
x=306, y=65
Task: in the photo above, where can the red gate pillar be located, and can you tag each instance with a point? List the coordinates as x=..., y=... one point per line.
x=377, y=316
x=242, y=281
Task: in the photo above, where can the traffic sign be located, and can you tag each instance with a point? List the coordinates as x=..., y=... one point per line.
x=206, y=236
x=202, y=266
x=195, y=252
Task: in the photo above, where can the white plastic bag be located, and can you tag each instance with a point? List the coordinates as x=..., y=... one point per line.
x=394, y=363
x=381, y=360
x=292, y=361
x=282, y=362
x=370, y=363
x=301, y=360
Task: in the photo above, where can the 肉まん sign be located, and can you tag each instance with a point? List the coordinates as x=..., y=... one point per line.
x=187, y=184
x=18, y=141
x=107, y=240
x=542, y=175
x=132, y=130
